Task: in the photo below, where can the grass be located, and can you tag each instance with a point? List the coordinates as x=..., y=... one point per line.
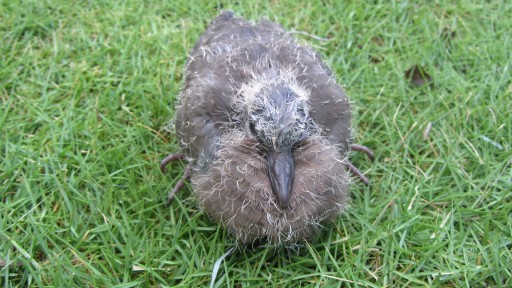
x=87, y=88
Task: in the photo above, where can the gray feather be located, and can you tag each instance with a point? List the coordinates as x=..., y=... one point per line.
x=249, y=88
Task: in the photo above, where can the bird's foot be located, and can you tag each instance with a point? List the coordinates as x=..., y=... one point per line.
x=363, y=149
x=353, y=169
x=356, y=172
x=181, y=182
x=169, y=159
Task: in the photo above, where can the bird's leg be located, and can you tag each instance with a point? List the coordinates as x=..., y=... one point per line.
x=363, y=149
x=181, y=182
x=353, y=169
x=169, y=159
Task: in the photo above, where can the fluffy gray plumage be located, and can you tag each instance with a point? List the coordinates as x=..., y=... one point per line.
x=250, y=93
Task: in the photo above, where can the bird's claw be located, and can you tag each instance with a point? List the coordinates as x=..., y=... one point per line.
x=353, y=169
x=169, y=159
x=181, y=182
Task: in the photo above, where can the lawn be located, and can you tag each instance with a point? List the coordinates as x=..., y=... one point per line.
x=87, y=91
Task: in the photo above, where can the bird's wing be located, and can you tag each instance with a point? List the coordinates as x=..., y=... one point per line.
x=206, y=99
x=329, y=106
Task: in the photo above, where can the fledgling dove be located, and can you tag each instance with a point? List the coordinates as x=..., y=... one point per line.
x=266, y=130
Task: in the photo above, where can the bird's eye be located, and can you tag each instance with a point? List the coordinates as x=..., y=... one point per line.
x=252, y=128
x=297, y=145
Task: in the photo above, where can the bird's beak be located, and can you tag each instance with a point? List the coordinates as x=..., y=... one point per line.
x=281, y=170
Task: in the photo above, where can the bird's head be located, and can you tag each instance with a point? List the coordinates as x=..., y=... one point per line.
x=277, y=116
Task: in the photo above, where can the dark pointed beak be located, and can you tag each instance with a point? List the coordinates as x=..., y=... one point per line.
x=281, y=170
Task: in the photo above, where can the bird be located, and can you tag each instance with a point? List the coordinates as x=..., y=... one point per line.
x=266, y=130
